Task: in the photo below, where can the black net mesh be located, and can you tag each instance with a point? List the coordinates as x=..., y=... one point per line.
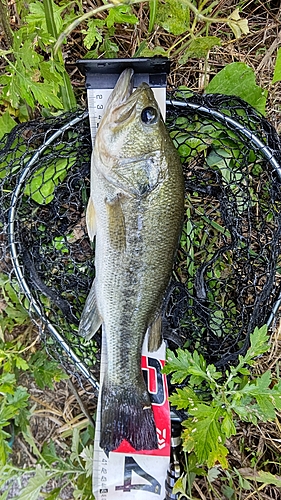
x=226, y=275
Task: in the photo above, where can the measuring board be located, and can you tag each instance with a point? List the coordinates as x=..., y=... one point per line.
x=102, y=75
x=126, y=473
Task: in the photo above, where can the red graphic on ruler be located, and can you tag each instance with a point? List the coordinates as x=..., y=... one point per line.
x=157, y=387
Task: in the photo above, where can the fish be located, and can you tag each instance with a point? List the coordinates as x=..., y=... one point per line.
x=135, y=213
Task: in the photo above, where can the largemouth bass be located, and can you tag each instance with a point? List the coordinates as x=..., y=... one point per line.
x=135, y=211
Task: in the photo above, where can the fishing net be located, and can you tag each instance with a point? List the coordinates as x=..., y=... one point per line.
x=228, y=267
x=226, y=276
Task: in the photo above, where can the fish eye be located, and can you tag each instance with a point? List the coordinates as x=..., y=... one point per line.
x=149, y=115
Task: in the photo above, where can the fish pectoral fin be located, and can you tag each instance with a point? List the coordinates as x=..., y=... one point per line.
x=155, y=334
x=140, y=177
x=116, y=223
x=90, y=320
x=91, y=219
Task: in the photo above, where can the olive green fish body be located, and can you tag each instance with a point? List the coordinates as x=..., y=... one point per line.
x=136, y=212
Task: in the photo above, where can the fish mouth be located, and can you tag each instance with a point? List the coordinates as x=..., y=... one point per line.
x=122, y=104
x=122, y=90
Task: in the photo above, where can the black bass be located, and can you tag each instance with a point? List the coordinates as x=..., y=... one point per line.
x=135, y=211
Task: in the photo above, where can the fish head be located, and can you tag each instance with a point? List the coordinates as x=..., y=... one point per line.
x=132, y=125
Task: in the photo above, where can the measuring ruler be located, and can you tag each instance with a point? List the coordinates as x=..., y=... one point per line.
x=142, y=474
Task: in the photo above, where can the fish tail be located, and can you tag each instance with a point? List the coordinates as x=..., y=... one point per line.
x=126, y=413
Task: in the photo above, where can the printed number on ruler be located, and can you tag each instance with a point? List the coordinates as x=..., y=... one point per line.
x=126, y=470
x=97, y=100
x=132, y=466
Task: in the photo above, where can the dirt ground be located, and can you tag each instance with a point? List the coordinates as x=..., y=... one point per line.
x=70, y=404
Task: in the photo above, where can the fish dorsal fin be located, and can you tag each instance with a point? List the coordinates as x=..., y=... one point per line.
x=116, y=223
x=90, y=319
x=91, y=219
x=155, y=335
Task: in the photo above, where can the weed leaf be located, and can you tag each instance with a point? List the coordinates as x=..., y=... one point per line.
x=7, y=123
x=121, y=14
x=42, y=185
x=258, y=344
x=227, y=425
x=93, y=33
x=268, y=478
x=177, y=364
x=263, y=477
x=277, y=68
x=180, y=485
x=87, y=455
x=184, y=398
x=239, y=26
x=199, y=47
x=45, y=371
x=49, y=453
x=266, y=398
x=173, y=16
x=204, y=435
x=238, y=79
x=33, y=488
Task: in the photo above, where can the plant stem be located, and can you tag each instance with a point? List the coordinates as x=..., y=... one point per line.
x=183, y=47
x=50, y=20
x=5, y=21
x=189, y=482
x=206, y=19
x=88, y=15
x=178, y=42
x=203, y=3
x=152, y=14
x=66, y=90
